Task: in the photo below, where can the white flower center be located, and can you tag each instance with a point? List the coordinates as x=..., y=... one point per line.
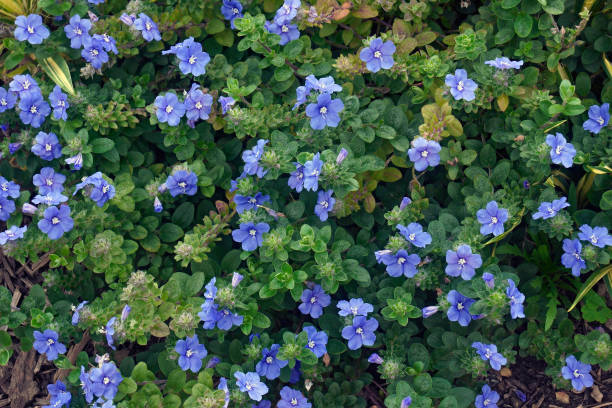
x=324, y=204
x=494, y=220
x=248, y=386
x=460, y=86
x=48, y=147
x=558, y=149
x=359, y=330
x=294, y=401
x=412, y=237
x=485, y=402
x=61, y=103
x=49, y=182
x=354, y=310
x=377, y=54
x=461, y=261
x=78, y=31
x=323, y=110
x=50, y=342
x=106, y=380
x=424, y=153
x=30, y=30
x=105, y=189
x=192, y=59
x=601, y=121
x=182, y=185
x=148, y=26
x=284, y=29
x=94, y=52
x=401, y=260
x=55, y=220
x=198, y=105
x=189, y=353
x=169, y=109
x=313, y=299
x=459, y=306
x=269, y=360
x=26, y=84
x=253, y=232
x=576, y=373
x=3, y=102
x=236, y=11
x=593, y=239
x=33, y=109
x=311, y=344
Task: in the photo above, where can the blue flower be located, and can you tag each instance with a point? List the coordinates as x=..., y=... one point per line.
x=504, y=63
x=291, y=398
x=360, y=333
x=192, y=59
x=549, y=210
x=31, y=29
x=56, y=222
x=269, y=366
x=516, y=300
x=459, y=309
x=53, y=198
x=262, y=404
x=47, y=146
x=251, y=384
x=169, y=109
x=58, y=395
x=489, y=352
x=47, y=343
x=109, y=331
x=429, y=311
x=317, y=341
x=191, y=353
x=578, y=372
x=288, y=32
x=7, y=207
x=226, y=103
x=226, y=319
x=597, y=236
x=325, y=204
x=296, y=178
x=323, y=85
x=492, y=219
x=250, y=235
x=244, y=203
x=108, y=43
x=127, y=19
x=572, y=258
x=102, y=192
x=375, y=359
x=147, y=27
x=8, y=188
x=76, y=161
x=7, y=100
x=287, y=11
x=424, y=153
x=461, y=87
x=489, y=280
x=341, y=156
x=211, y=290
x=488, y=398
x=378, y=55
x=13, y=147
x=93, y=180
x=59, y=103
x=462, y=262
x=401, y=263
x=354, y=307
x=313, y=301
x=48, y=181
x=197, y=104
x=157, y=205
x=12, y=234
x=22, y=84
x=96, y=2
x=312, y=171
x=105, y=380
x=561, y=152
x=77, y=31
x=251, y=159
x=599, y=117
x=182, y=182
x=76, y=314
x=223, y=386
x=93, y=52
x=209, y=314
x=415, y=235
x=33, y=109
x=86, y=384
x=301, y=94
x=231, y=10
x=295, y=374
x=324, y=112
x=406, y=201
x=406, y=402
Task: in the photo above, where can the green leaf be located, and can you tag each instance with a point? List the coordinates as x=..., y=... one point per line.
x=523, y=24
x=170, y=232
x=566, y=90
x=386, y=132
x=510, y=4
x=586, y=286
x=176, y=380
x=102, y=145
x=215, y=26
x=128, y=386
x=184, y=214
x=283, y=73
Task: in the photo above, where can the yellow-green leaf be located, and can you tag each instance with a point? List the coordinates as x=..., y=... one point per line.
x=57, y=69
x=586, y=287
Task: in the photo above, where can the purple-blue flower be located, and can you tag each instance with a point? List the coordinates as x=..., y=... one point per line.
x=47, y=343
x=462, y=262
x=197, y=104
x=291, y=398
x=492, y=219
x=269, y=366
x=59, y=397
x=424, y=153
x=489, y=352
x=361, y=332
x=489, y=280
x=105, y=380
x=488, y=398
x=504, y=63
x=226, y=319
x=251, y=384
x=76, y=161
x=287, y=11
x=459, y=308
x=572, y=258
x=157, y=205
x=550, y=209
x=226, y=103
x=77, y=30
x=405, y=203
x=325, y=204
x=245, y=203
x=33, y=109
x=375, y=359
x=401, y=263
x=191, y=353
x=12, y=234
x=22, y=84
x=378, y=55
x=182, y=182
x=561, y=152
x=53, y=198
x=94, y=52
x=109, y=332
x=7, y=100
x=77, y=312
x=288, y=32
x=599, y=117
x=597, y=236
x=406, y=402
x=578, y=372
x=56, y=221
x=59, y=103
x=429, y=311
x=192, y=59
x=461, y=87
x=323, y=85
x=147, y=27
x=47, y=146
x=296, y=178
x=354, y=307
x=312, y=171
x=415, y=235
x=251, y=159
x=13, y=147
x=341, y=156
x=102, y=192
x=231, y=10
x=209, y=314
x=7, y=207
x=8, y=188
x=317, y=341
x=108, y=43
x=48, y=181
x=31, y=29
x=250, y=235
x=169, y=109
x=324, y=112
x=313, y=301
x=516, y=300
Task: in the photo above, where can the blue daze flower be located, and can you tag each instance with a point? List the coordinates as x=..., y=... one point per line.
x=597, y=236
x=459, y=308
x=105, y=380
x=462, y=262
x=47, y=343
x=406, y=402
x=378, y=55
x=579, y=373
x=492, y=219
x=269, y=366
x=401, y=263
x=489, y=280
x=13, y=147
x=550, y=209
x=93, y=52
x=561, y=152
x=251, y=159
x=291, y=398
x=424, y=153
x=226, y=319
x=197, y=104
x=488, y=398
x=223, y=386
x=96, y=2
x=504, y=63
x=47, y=146
x=59, y=397
x=53, y=198
x=127, y=19
x=572, y=258
x=108, y=43
x=231, y=10
x=191, y=353
x=296, y=178
x=287, y=11
x=7, y=207
x=360, y=333
x=461, y=87
x=325, y=204
x=250, y=235
x=301, y=95
x=323, y=85
x=516, y=300
x=157, y=205
x=147, y=27
x=429, y=311
x=354, y=307
x=341, y=156
x=102, y=192
x=251, y=384
x=7, y=100
x=288, y=32
x=192, y=60
x=324, y=112
x=375, y=359
x=415, y=235
x=22, y=84
x=599, y=117
x=182, y=182
x=109, y=332
x=33, y=109
x=59, y=103
x=56, y=222
x=226, y=103
x=489, y=352
x=169, y=109
x=295, y=374
x=77, y=312
x=317, y=341
x=86, y=385
x=245, y=203
x=313, y=301
x=12, y=234
x=76, y=161
x=77, y=30
x=312, y=171
x=209, y=314
x=31, y=29
x=8, y=188
x=48, y=181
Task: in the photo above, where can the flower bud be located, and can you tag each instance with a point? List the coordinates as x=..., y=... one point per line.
x=405, y=202
x=163, y=188
x=13, y=147
x=489, y=279
x=406, y=402
x=430, y=311
x=157, y=205
x=92, y=16
x=29, y=209
x=375, y=359
x=125, y=312
x=127, y=19
x=236, y=279
x=341, y=156
x=213, y=362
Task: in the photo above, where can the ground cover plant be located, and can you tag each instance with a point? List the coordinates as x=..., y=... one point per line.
x=290, y=204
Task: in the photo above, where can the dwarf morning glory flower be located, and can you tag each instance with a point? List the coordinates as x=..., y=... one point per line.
x=429, y=311
x=597, y=236
x=269, y=366
x=459, y=309
x=105, y=380
x=401, y=264
x=47, y=343
x=461, y=87
x=7, y=207
x=209, y=314
x=296, y=178
x=59, y=103
x=94, y=52
x=599, y=117
x=96, y=2
x=341, y=156
x=561, y=152
x=147, y=27
x=47, y=146
x=231, y=10
x=324, y=112
x=323, y=85
x=192, y=59
x=59, y=395
x=109, y=331
x=223, y=386
x=313, y=301
x=52, y=198
x=406, y=402
x=375, y=359
x=250, y=235
x=489, y=352
x=102, y=192
x=578, y=372
x=86, y=384
x=108, y=43
x=13, y=147
x=295, y=374
x=317, y=340
x=354, y=307
x=504, y=63
x=226, y=103
x=244, y=203
x=492, y=219
x=424, y=153
x=236, y=279
x=157, y=205
x=404, y=203
x=489, y=280
x=48, y=181
x=516, y=300
x=174, y=49
x=378, y=55
x=462, y=262
x=197, y=104
x=262, y=404
x=12, y=234
x=325, y=204
x=549, y=210
x=251, y=384
x=211, y=290
x=361, y=332
x=572, y=257
x=191, y=353
x=287, y=11
x=8, y=188
x=127, y=19
x=414, y=234
x=301, y=93
x=251, y=159
x=488, y=398
x=182, y=182
x=56, y=222
x=169, y=109
x=77, y=31
x=76, y=315
x=76, y=161
x=291, y=398
x=7, y=100
x=33, y=109
x=226, y=319
x=22, y=84
x=312, y=171
x=288, y=32
x=31, y=29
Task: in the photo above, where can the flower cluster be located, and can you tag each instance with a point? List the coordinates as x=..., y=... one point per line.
x=281, y=24
x=213, y=314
